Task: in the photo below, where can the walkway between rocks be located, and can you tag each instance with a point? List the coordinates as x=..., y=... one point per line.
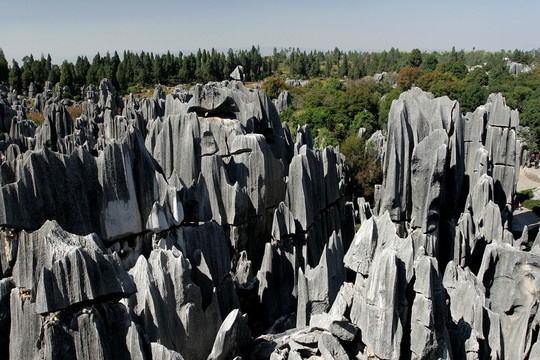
x=525, y=216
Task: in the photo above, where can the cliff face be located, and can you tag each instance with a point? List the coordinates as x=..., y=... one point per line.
x=148, y=234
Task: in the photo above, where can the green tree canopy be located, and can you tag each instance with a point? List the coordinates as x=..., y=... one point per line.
x=430, y=62
x=15, y=77
x=408, y=77
x=415, y=58
x=4, y=68
x=54, y=74
x=66, y=75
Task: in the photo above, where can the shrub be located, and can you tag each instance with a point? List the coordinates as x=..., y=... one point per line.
x=273, y=86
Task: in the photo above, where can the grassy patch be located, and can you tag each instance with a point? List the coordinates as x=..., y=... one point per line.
x=525, y=198
x=531, y=204
x=75, y=112
x=528, y=193
x=36, y=117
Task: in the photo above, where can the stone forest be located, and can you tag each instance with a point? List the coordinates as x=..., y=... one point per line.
x=196, y=224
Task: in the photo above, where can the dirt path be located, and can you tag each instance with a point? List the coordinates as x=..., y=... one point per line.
x=525, y=216
x=525, y=183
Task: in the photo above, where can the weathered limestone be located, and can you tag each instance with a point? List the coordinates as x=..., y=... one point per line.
x=232, y=337
x=283, y=101
x=509, y=277
x=196, y=191
x=429, y=337
x=474, y=330
x=170, y=309
x=238, y=73
x=318, y=288
x=61, y=269
x=413, y=117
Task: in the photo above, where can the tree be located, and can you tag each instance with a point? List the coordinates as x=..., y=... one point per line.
x=363, y=165
x=343, y=70
x=81, y=69
x=366, y=120
x=274, y=86
x=40, y=72
x=66, y=75
x=453, y=56
x=54, y=74
x=4, y=68
x=415, y=58
x=384, y=108
x=478, y=77
x=407, y=77
x=473, y=96
x=457, y=68
x=430, y=62
x=15, y=77
x=27, y=74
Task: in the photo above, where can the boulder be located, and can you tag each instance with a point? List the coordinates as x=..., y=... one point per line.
x=238, y=73
x=330, y=347
x=232, y=337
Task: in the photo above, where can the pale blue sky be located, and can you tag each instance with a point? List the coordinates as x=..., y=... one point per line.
x=67, y=28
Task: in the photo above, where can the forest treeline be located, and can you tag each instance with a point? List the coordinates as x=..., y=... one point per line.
x=134, y=70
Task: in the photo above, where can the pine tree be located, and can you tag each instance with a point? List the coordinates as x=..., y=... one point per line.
x=54, y=74
x=344, y=67
x=66, y=75
x=4, y=68
x=415, y=58
x=15, y=77
x=27, y=75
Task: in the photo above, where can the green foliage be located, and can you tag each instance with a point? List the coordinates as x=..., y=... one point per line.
x=471, y=97
x=430, y=62
x=408, y=77
x=531, y=113
x=15, y=77
x=327, y=138
x=66, y=75
x=457, y=69
x=54, y=74
x=384, y=108
x=4, y=68
x=531, y=136
x=363, y=166
x=531, y=204
x=274, y=87
x=366, y=120
x=415, y=59
x=359, y=97
x=477, y=77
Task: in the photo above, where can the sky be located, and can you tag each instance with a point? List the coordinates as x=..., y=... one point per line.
x=66, y=29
